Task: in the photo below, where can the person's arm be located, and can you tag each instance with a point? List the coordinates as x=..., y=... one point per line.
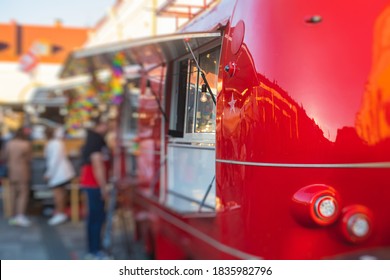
x=5, y=153
x=99, y=171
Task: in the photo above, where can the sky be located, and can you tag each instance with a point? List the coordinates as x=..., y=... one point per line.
x=77, y=13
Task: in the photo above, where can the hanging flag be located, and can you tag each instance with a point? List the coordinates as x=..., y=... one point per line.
x=28, y=62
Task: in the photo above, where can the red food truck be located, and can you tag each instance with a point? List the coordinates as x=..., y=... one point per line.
x=262, y=131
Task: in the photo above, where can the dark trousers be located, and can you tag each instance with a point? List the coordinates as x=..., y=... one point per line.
x=95, y=219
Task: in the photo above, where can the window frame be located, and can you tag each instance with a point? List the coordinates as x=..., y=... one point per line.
x=192, y=137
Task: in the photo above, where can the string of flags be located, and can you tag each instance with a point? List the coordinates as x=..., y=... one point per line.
x=117, y=78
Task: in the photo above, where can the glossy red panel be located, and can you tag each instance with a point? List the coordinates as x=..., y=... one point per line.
x=307, y=92
x=311, y=89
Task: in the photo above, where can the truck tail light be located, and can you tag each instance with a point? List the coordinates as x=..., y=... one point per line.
x=316, y=205
x=325, y=207
x=356, y=223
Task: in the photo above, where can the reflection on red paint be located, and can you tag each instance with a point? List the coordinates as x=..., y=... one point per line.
x=373, y=120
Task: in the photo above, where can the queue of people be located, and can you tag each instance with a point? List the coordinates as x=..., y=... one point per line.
x=16, y=165
x=59, y=172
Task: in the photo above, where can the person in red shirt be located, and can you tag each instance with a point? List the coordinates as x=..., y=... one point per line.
x=93, y=180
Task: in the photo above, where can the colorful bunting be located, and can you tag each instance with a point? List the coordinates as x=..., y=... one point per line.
x=82, y=105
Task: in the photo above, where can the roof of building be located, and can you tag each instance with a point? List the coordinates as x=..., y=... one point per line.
x=55, y=41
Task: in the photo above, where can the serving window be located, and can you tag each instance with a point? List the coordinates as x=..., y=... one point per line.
x=198, y=116
x=191, y=152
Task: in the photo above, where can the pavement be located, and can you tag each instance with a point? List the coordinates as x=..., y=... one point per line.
x=62, y=242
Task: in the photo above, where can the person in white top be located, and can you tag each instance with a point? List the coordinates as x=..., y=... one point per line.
x=59, y=172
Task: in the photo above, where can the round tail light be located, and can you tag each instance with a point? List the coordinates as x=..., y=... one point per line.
x=356, y=223
x=316, y=204
x=325, y=207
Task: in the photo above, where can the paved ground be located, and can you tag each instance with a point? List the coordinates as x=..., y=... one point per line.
x=62, y=242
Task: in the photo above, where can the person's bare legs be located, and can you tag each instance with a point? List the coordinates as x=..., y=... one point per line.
x=20, y=193
x=59, y=199
x=59, y=194
x=13, y=192
x=22, y=198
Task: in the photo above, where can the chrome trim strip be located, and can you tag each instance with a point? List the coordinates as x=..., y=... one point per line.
x=202, y=236
x=309, y=165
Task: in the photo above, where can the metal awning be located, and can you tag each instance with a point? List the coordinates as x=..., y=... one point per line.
x=47, y=97
x=54, y=94
x=145, y=52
